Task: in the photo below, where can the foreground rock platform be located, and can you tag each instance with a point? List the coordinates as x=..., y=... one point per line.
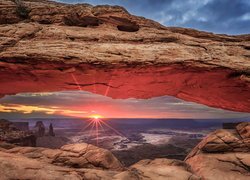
x=49, y=46
x=83, y=161
x=72, y=155
x=223, y=154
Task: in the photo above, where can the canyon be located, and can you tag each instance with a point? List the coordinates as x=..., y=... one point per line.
x=223, y=154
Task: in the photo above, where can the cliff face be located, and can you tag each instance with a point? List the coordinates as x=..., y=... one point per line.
x=10, y=134
x=45, y=45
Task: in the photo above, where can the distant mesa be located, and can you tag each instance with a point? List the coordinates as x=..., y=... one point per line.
x=9, y=133
x=23, y=126
x=40, y=129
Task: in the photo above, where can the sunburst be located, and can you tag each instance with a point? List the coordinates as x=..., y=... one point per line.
x=96, y=124
x=96, y=116
x=96, y=121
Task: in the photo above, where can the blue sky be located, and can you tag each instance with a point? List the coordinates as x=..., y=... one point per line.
x=218, y=16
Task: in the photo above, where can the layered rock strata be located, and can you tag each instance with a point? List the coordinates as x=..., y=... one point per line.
x=224, y=154
x=49, y=46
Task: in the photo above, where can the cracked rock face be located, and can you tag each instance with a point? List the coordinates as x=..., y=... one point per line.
x=159, y=169
x=84, y=161
x=13, y=166
x=44, y=44
x=73, y=156
x=224, y=154
x=221, y=155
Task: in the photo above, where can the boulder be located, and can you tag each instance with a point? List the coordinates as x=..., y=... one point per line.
x=72, y=155
x=223, y=154
x=158, y=169
x=84, y=161
x=13, y=166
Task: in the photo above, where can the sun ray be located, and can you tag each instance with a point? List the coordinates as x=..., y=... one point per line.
x=114, y=130
x=107, y=90
x=86, y=126
x=74, y=78
x=97, y=133
x=97, y=124
x=100, y=125
x=92, y=130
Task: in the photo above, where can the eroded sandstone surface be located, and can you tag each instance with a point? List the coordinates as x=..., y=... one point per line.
x=83, y=161
x=49, y=46
x=223, y=154
x=72, y=155
x=158, y=169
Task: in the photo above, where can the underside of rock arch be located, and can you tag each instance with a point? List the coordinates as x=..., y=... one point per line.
x=106, y=50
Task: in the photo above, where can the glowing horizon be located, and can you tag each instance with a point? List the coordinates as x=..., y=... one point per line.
x=81, y=104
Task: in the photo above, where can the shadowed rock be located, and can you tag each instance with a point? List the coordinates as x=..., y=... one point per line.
x=158, y=169
x=223, y=154
x=39, y=129
x=51, y=130
x=10, y=134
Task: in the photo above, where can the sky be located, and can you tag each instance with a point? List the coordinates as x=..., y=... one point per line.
x=81, y=104
x=218, y=16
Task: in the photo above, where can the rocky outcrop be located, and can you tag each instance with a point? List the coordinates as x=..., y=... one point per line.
x=73, y=156
x=39, y=129
x=158, y=169
x=14, y=166
x=224, y=154
x=10, y=134
x=49, y=46
x=83, y=161
x=51, y=130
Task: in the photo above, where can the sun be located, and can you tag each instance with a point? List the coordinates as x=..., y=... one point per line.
x=96, y=116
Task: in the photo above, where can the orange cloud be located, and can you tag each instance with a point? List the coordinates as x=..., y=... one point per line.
x=28, y=109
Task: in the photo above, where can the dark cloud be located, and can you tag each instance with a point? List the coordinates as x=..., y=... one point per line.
x=219, y=16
